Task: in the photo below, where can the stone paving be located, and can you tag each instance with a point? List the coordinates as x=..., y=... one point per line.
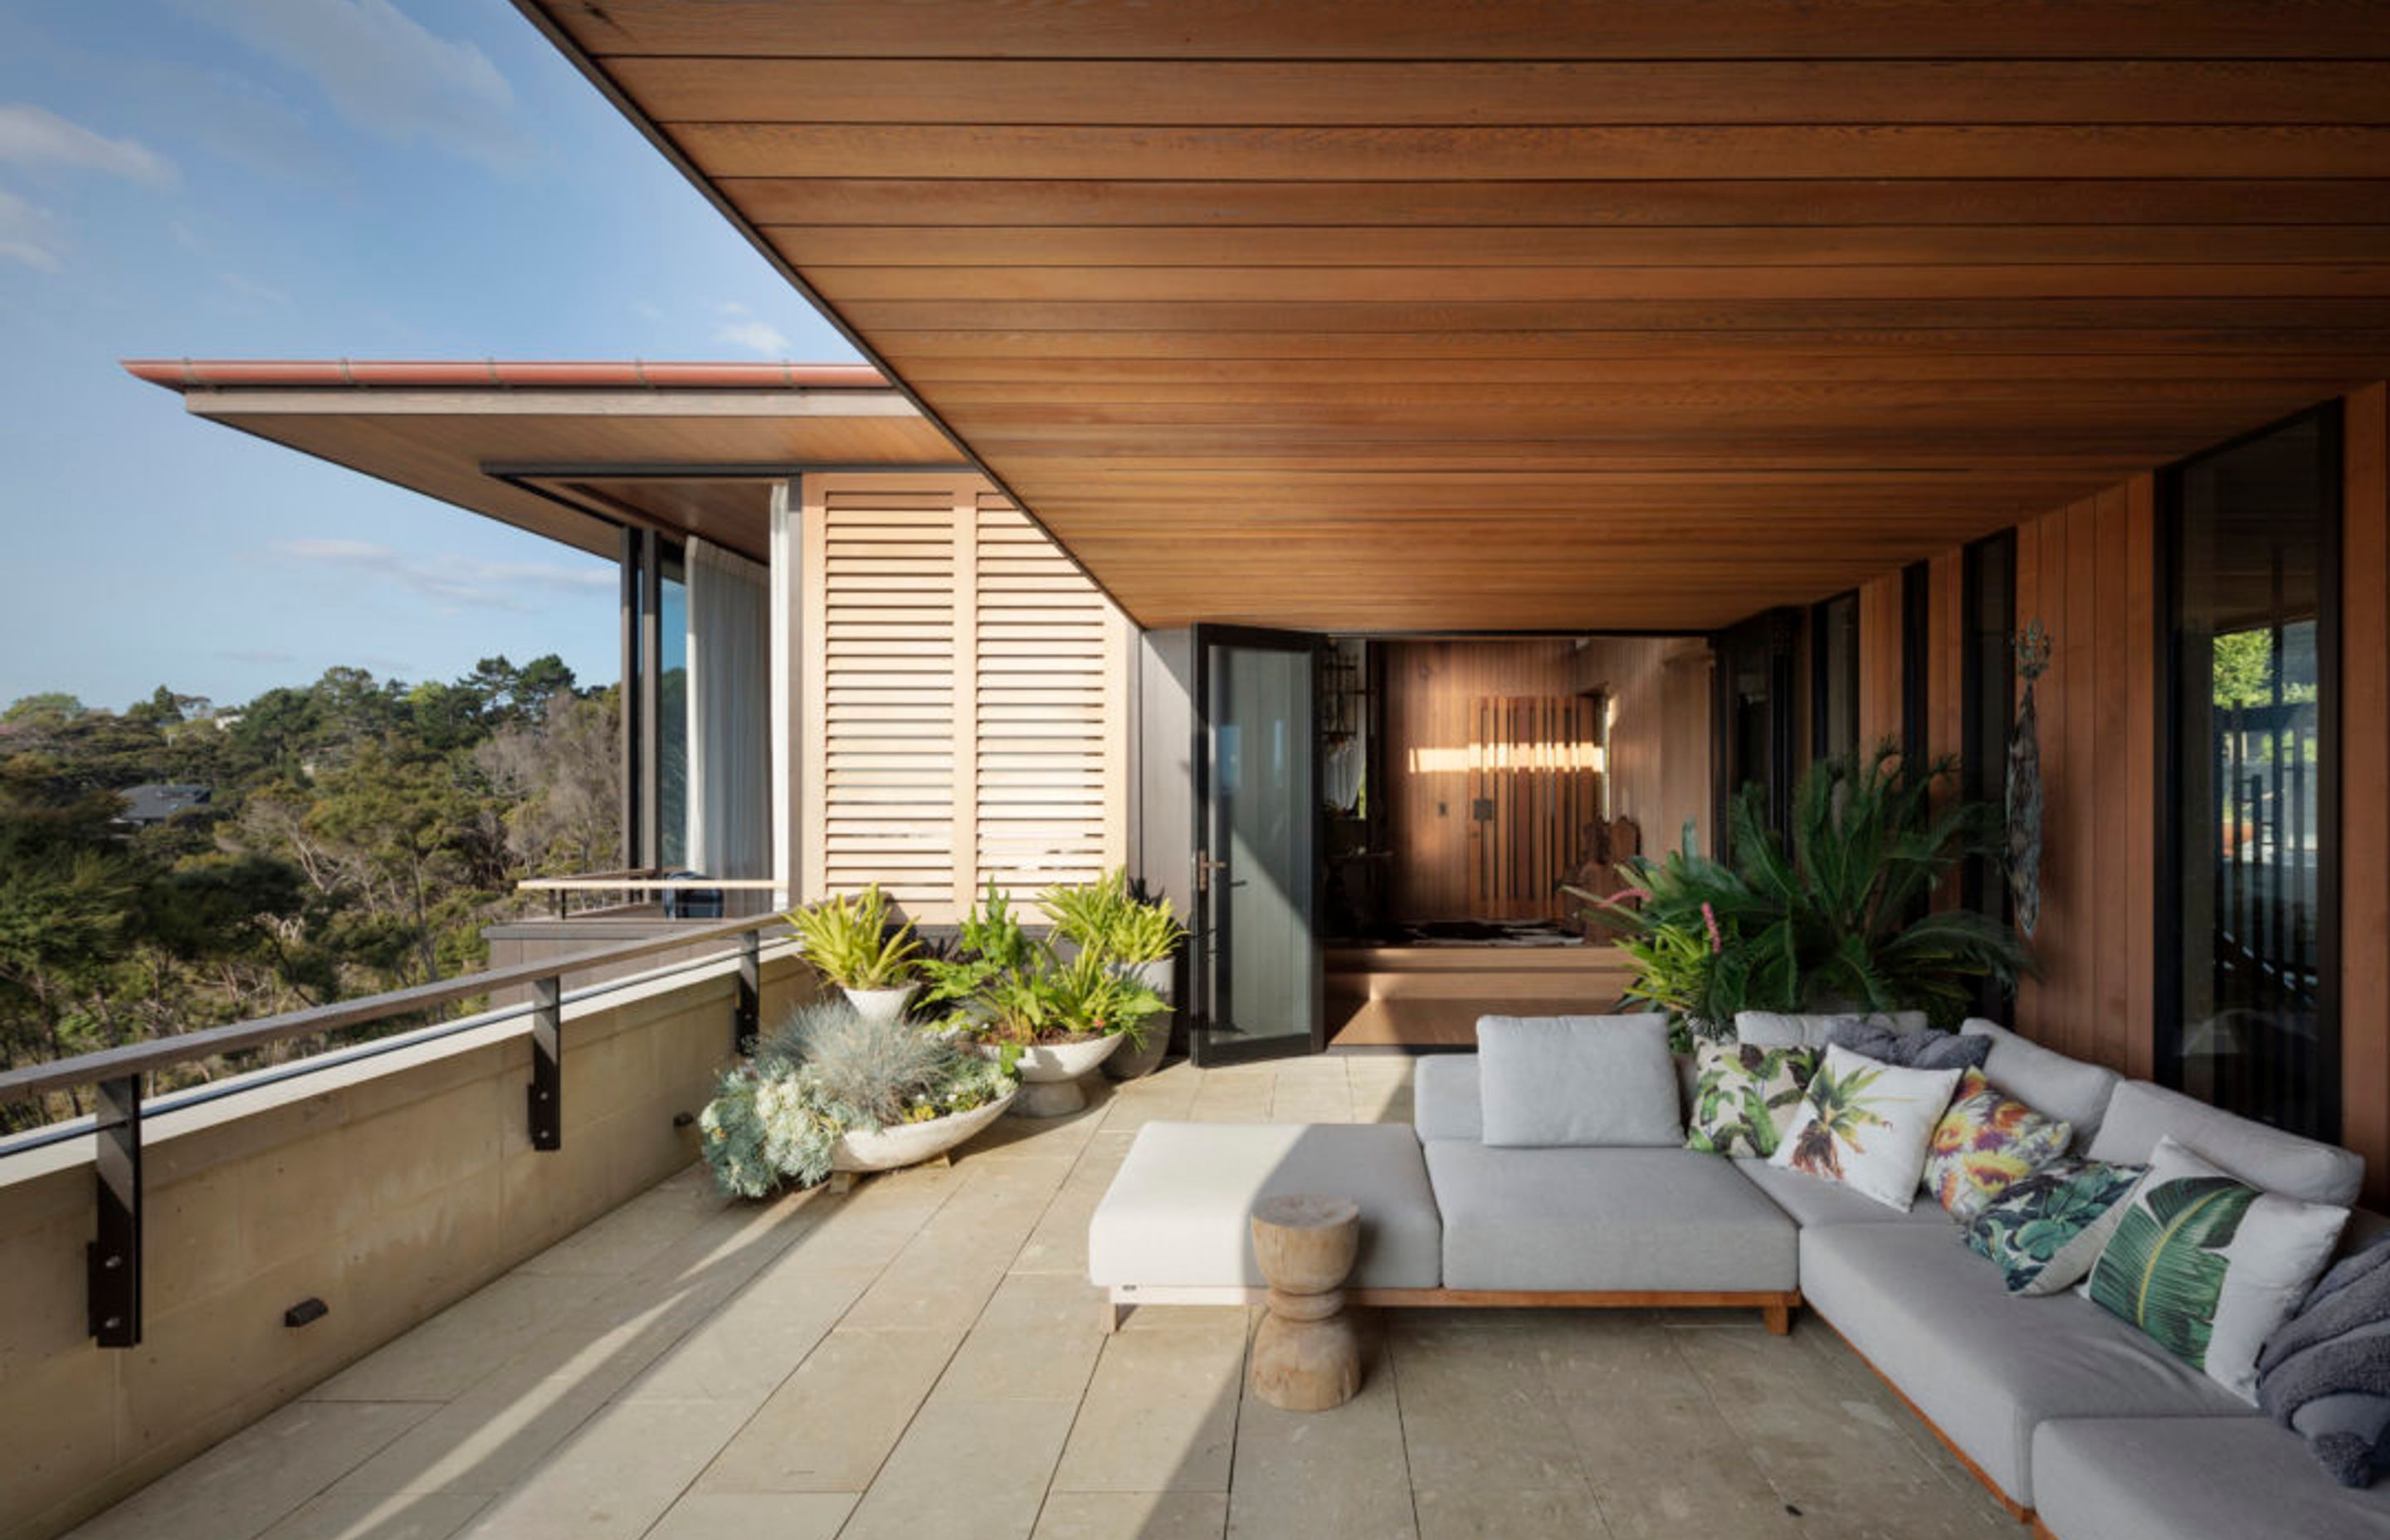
x=922, y=1357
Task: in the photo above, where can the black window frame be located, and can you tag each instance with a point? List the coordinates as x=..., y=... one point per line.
x=2167, y=995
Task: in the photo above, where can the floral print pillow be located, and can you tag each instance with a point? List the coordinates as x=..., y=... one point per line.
x=1742, y=1096
x=1867, y=1125
x=2049, y=1228
x=1984, y=1144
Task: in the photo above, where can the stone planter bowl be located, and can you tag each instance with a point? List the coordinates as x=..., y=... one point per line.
x=910, y=1144
x=881, y=1004
x=1046, y=1063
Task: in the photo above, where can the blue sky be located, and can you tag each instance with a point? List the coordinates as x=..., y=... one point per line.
x=310, y=179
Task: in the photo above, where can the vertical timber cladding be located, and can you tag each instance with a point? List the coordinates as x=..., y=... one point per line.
x=965, y=698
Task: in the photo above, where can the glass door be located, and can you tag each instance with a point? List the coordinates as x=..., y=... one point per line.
x=1256, y=972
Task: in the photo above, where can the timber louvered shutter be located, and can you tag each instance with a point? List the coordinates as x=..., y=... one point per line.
x=1044, y=751
x=887, y=778
x=965, y=698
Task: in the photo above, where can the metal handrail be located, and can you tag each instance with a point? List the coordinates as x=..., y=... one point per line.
x=161, y=1053
x=114, y=1261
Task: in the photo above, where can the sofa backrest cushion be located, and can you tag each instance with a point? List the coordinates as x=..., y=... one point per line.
x=1445, y=1097
x=2048, y=1081
x=1769, y=1029
x=1577, y=1080
x=2139, y=1114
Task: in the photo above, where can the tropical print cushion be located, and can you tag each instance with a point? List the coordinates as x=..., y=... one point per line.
x=1867, y=1125
x=2047, y=1228
x=1985, y=1143
x=1742, y=1095
x=2209, y=1267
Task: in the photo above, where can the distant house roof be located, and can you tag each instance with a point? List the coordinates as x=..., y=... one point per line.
x=154, y=803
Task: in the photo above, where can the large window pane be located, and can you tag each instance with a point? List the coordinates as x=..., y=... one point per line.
x=672, y=717
x=2252, y=1025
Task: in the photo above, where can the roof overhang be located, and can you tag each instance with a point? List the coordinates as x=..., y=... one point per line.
x=1644, y=314
x=576, y=452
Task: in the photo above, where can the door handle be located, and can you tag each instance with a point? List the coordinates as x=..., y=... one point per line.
x=1204, y=867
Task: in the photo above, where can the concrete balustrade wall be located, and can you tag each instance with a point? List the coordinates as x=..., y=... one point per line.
x=388, y=1188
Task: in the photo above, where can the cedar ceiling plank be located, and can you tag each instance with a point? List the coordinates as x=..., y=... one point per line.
x=889, y=246
x=1891, y=400
x=1329, y=92
x=1483, y=28
x=1757, y=350
x=1013, y=199
x=1659, y=368
x=1362, y=282
x=1676, y=152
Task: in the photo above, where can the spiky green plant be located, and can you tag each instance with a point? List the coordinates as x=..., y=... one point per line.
x=1834, y=919
x=1091, y=997
x=850, y=941
x=1107, y=915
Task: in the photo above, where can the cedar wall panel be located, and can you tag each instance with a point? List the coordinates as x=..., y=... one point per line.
x=2088, y=572
x=964, y=697
x=1880, y=653
x=1659, y=689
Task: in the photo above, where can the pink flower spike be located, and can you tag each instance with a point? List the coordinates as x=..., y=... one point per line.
x=1636, y=893
x=1709, y=917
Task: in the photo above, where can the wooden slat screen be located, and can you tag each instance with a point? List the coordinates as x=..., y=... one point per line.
x=965, y=721
x=1535, y=785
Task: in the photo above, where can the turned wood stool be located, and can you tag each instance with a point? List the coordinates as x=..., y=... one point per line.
x=1306, y=1357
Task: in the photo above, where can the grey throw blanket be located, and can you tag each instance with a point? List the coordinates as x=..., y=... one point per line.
x=2326, y=1373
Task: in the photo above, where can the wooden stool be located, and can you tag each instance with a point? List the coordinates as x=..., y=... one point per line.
x=1306, y=1357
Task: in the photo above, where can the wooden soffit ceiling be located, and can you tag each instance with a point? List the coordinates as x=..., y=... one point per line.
x=1494, y=316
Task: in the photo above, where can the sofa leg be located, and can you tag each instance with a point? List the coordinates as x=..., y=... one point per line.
x=1112, y=1314
x=1778, y=1318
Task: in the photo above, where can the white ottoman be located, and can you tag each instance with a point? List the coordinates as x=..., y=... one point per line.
x=1173, y=1229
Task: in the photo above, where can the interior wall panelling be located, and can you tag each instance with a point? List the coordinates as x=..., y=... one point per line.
x=964, y=697
x=1658, y=767
x=1880, y=630
x=2365, y=775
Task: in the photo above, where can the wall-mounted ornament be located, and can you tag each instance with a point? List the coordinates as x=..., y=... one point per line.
x=2024, y=784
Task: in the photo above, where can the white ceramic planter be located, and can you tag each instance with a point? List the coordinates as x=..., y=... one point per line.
x=910, y=1144
x=879, y=1005
x=1051, y=1073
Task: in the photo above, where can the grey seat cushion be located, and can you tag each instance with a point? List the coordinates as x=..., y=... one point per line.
x=2049, y=1082
x=1445, y=1100
x=1606, y=1219
x=1986, y=1366
x=1814, y=1201
x=1178, y=1211
x=2224, y=1478
x=2139, y=1114
x=1551, y=1081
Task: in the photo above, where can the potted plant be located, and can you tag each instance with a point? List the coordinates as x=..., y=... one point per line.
x=834, y=1090
x=1138, y=937
x=1833, y=918
x=850, y=942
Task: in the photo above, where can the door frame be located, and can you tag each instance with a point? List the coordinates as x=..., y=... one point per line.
x=1212, y=954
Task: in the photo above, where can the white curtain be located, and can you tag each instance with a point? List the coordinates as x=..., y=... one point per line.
x=729, y=714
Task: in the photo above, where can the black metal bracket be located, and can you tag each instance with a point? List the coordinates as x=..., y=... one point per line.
x=114, y=1258
x=545, y=1092
x=746, y=1013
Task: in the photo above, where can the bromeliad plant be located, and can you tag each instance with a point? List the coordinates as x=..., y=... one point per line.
x=1834, y=919
x=850, y=942
x=1010, y=988
x=1106, y=915
x=825, y=1072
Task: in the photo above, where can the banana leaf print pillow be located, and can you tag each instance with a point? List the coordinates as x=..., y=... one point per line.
x=1986, y=1142
x=1867, y=1125
x=1742, y=1096
x=2047, y=1228
x=2209, y=1267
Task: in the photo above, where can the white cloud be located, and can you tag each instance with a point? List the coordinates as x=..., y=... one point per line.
x=30, y=135
x=26, y=234
x=385, y=72
x=253, y=295
x=757, y=337
x=460, y=582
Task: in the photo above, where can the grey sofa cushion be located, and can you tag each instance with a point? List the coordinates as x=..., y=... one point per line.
x=1445, y=1098
x=1549, y=1081
x=1810, y=1200
x=2139, y=1114
x=1923, y=1049
x=1605, y=1219
x=2046, y=1080
x=2168, y=1478
x=1770, y=1029
x=1986, y=1366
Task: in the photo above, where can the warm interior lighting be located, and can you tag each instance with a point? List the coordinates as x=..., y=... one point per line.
x=1504, y=756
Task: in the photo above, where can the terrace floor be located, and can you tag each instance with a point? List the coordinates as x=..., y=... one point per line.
x=921, y=1357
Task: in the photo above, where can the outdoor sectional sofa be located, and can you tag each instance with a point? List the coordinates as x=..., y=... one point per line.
x=2077, y=1422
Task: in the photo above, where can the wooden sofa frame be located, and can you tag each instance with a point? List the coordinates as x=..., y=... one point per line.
x=1775, y=1308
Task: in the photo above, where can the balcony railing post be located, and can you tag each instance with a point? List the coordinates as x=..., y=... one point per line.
x=746, y=1015
x=114, y=1257
x=546, y=1088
